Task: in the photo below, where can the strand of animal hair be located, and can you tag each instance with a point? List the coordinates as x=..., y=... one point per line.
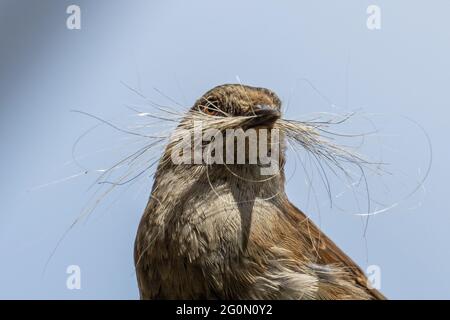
x=134, y=155
x=85, y=212
x=137, y=175
x=311, y=186
x=334, y=155
x=146, y=99
x=171, y=116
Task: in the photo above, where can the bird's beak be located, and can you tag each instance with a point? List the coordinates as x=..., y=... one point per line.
x=262, y=116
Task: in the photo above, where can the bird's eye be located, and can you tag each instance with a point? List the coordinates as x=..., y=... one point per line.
x=210, y=110
x=210, y=107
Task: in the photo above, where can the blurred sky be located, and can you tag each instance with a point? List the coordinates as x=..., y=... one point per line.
x=184, y=48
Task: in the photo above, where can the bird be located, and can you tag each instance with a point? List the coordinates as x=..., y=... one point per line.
x=227, y=231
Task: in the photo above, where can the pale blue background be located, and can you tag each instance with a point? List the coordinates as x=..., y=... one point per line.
x=184, y=48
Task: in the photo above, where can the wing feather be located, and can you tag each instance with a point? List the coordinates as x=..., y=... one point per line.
x=328, y=253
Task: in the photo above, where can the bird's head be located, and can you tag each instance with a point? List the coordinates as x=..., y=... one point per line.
x=231, y=125
x=260, y=106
